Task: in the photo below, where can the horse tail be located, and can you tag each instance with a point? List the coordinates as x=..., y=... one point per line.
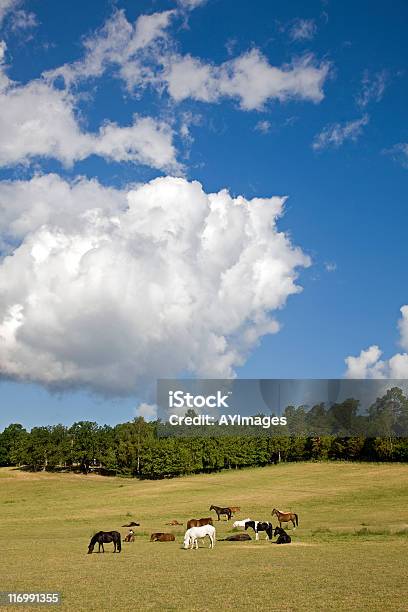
x=296, y=519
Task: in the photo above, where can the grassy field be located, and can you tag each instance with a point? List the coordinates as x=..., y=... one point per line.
x=349, y=552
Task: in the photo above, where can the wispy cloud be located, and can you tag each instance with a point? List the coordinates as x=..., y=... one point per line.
x=336, y=134
x=399, y=152
x=330, y=266
x=372, y=88
x=303, y=29
x=263, y=126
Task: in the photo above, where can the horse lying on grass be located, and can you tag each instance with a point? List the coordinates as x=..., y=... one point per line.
x=162, y=537
x=174, y=522
x=104, y=537
x=258, y=526
x=199, y=522
x=284, y=538
x=191, y=536
x=237, y=537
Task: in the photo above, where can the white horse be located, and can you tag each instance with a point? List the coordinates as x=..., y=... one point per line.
x=241, y=523
x=191, y=535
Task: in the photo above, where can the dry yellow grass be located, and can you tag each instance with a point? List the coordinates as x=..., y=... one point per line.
x=349, y=552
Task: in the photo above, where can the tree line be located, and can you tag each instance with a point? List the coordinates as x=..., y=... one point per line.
x=138, y=448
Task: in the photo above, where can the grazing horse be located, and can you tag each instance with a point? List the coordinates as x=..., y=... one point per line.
x=237, y=537
x=286, y=517
x=258, y=526
x=162, y=537
x=241, y=523
x=221, y=511
x=199, y=522
x=103, y=537
x=284, y=538
x=192, y=534
x=234, y=509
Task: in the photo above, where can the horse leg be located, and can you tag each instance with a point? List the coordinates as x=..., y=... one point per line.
x=256, y=536
x=294, y=524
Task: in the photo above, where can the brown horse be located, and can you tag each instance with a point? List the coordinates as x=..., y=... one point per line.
x=237, y=537
x=286, y=517
x=199, y=522
x=234, y=509
x=162, y=537
x=220, y=511
x=174, y=522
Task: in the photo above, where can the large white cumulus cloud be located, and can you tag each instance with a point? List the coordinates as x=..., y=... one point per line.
x=110, y=289
x=369, y=363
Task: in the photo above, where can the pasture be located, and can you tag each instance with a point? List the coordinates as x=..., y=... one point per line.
x=348, y=553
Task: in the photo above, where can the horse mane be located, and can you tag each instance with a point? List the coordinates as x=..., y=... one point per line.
x=95, y=537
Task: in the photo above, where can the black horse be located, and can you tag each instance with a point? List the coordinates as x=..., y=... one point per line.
x=220, y=511
x=104, y=537
x=284, y=538
x=258, y=526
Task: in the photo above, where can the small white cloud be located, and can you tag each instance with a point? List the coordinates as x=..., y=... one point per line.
x=230, y=45
x=118, y=43
x=38, y=120
x=372, y=88
x=147, y=411
x=6, y=7
x=23, y=20
x=263, y=126
x=303, y=29
x=369, y=365
x=399, y=152
x=250, y=78
x=190, y=4
x=336, y=134
x=330, y=266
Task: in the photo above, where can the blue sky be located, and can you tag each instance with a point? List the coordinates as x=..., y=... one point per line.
x=333, y=138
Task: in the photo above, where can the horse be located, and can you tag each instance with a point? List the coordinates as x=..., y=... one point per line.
x=132, y=524
x=258, y=526
x=234, y=509
x=199, y=522
x=192, y=534
x=221, y=511
x=237, y=537
x=174, y=522
x=241, y=523
x=103, y=537
x=162, y=537
x=284, y=538
x=286, y=517
x=130, y=537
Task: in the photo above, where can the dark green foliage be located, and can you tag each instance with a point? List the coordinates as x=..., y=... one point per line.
x=136, y=449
